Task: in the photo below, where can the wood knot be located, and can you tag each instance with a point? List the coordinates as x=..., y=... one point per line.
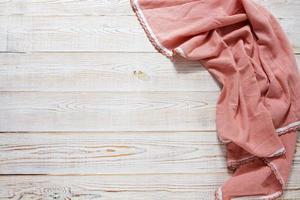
x=56, y=193
x=141, y=75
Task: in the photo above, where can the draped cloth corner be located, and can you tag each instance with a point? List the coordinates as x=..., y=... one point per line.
x=258, y=111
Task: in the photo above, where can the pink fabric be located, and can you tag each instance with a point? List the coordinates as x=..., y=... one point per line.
x=258, y=112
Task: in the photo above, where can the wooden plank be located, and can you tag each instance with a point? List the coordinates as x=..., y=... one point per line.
x=119, y=187
x=280, y=8
x=88, y=33
x=107, y=111
x=101, y=72
x=62, y=153
x=111, y=153
x=65, y=7
x=79, y=34
x=116, y=187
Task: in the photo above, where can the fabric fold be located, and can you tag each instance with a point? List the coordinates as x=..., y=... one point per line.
x=258, y=111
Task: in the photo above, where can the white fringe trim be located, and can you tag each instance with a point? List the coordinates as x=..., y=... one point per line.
x=278, y=152
x=180, y=52
x=167, y=51
x=219, y=194
x=290, y=126
x=236, y=163
x=240, y=160
x=276, y=172
x=271, y=196
x=280, y=132
x=266, y=197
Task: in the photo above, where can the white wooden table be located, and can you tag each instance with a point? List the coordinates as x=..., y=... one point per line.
x=89, y=110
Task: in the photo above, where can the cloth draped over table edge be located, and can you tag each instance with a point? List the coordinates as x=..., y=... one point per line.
x=231, y=164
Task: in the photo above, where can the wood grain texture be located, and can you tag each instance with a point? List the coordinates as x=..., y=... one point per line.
x=89, y=109
x=73, y=33
x=102, y=72
x=120, y=187
x=88, y=34
x=143, y=165
x=280, y=8
x=107, y=111
x=116, y=187
x=113, y=153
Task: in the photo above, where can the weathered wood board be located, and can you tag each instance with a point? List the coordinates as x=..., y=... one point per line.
x=90, y=110
x=88, y=34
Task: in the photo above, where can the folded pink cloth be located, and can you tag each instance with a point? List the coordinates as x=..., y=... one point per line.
x=243, y=46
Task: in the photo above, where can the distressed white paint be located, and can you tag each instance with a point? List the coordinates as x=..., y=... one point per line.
x=87, y=103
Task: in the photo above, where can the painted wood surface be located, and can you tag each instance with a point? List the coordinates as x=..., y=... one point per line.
x=21, y=33
x=89, y=110
x=199, y=186
x=99, y=72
